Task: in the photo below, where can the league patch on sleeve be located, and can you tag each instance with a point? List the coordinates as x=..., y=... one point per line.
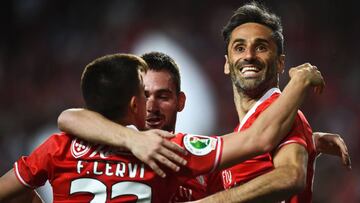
x=199, y=145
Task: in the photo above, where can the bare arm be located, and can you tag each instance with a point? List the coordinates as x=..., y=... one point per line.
x=275, y=122
x=148, y=146
x=13, y=191
x=36, y=197
x=332, y=144
x=287, y=179
x=30, y=196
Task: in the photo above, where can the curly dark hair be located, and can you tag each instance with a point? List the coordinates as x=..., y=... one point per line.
x=256, y=13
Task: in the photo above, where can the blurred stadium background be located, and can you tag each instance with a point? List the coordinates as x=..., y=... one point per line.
x=44, y=46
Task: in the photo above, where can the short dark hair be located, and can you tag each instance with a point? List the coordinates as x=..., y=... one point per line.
x=109, y=82
x=256, y=13
x=159, y=61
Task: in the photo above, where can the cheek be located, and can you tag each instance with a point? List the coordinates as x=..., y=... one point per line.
x=168, y=108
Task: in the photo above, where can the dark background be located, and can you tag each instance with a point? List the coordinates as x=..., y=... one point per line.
x=44, y=46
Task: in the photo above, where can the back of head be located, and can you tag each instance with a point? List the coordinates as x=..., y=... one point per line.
x=158, y=61
x=255, y=13
x=109, y=82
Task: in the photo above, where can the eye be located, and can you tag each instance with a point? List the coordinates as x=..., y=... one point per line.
x=261, y=48
x=239, y=48
x=147, y=95
x=163, y=96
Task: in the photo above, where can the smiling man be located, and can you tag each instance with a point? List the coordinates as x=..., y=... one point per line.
x=254, y=59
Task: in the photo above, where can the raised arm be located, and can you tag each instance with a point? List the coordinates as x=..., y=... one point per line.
x=275, y=122
x=148, y=146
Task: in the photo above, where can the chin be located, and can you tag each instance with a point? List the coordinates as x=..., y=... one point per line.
x=153, y=126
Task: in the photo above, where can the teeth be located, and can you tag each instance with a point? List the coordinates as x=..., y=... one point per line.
x=249, y=68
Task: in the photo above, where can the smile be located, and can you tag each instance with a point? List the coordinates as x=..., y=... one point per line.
x=154, y=121
x=250, y=71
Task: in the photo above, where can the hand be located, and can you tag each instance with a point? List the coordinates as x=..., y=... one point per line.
x=152, y=148
x=311, y=76
x=333, y=144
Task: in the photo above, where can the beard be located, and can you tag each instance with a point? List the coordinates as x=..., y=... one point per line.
x=254, y=87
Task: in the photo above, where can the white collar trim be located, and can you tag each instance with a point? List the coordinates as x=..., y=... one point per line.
x=267, y=95
x=132, y=127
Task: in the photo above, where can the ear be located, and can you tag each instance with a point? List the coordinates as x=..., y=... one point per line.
x=133, y=107
x=181, y=101
x=281, y=64
x=226, y=66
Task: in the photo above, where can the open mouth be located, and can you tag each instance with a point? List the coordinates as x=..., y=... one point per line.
x=154, y=120
x=249, y=71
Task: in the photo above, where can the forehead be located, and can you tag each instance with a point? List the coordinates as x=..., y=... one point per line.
x=251, y=32
x=154, y=80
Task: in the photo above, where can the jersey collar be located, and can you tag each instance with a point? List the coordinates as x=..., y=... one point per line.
x=267, y=95
x=132, y=127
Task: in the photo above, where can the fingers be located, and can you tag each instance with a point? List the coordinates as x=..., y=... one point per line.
x=320, y=87
x=173, y=156
x=174, y=147
x=167, y=157
x=166, y=162
x=342, y=150
x=346, y=161
x=156, y=169
x=163, y=133
x=320, y=84
x=344, y=153
x=162, y=152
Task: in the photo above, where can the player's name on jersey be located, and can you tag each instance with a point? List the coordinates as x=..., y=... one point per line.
x=119, y=169
x=80, y=148
x=103, y=160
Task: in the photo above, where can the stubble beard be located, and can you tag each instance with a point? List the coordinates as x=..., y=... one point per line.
x=255, y=87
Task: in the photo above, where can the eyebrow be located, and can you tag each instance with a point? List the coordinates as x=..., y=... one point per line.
x=257, y=40
x=160, y=91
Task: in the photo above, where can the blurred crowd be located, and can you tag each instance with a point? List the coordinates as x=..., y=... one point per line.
x=44, y=46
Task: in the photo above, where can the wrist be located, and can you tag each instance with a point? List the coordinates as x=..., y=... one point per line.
x=125, y=138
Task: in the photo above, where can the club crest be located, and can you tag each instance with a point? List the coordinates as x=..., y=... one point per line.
x=79, y=148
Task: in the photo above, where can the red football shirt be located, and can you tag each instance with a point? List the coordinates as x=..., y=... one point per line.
x=300, y=133
x=80, y=172
x=199, y=187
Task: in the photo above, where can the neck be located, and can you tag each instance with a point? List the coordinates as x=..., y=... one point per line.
x=127, y=120
x=244, y=102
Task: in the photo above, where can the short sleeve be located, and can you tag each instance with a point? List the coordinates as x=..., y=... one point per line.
x=34, y=170
x=204, y=153
x=300, y=132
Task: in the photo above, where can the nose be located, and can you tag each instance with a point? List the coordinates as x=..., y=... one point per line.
x=249, y=54
x=151, y=104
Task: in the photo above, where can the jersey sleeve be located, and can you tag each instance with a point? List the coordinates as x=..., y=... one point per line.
x=204, y=153
x=34, y=170
x=300, y=132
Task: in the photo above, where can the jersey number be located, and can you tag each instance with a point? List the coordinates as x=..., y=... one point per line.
x=98, y=189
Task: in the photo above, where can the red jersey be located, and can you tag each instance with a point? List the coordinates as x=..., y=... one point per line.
x=300, y=133
x=199, y=187
x=81, y=172
x=192, y=189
